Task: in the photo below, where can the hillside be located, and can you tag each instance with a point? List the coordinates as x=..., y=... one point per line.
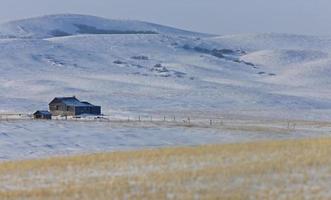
x=138, y=67
x=69, y=24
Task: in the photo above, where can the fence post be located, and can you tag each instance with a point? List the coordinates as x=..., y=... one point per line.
x=211, y=122
x=189, y=120
x=164, y=119
x=139, y=119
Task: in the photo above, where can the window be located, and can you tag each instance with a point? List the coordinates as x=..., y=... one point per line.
x=57, y=108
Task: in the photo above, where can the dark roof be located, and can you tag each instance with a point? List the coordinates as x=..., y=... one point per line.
x=86, y=103
x=42, y=112
x=71, y=101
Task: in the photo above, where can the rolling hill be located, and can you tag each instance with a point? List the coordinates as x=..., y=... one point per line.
x=139, y=67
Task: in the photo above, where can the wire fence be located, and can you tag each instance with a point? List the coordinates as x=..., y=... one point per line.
x=171, y=120
x=121, y=119
x=15, y=116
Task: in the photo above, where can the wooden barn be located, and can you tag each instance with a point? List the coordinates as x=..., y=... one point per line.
x=42, y=114
x=71, y=106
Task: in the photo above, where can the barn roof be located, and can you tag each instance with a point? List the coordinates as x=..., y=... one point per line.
x=42, y=112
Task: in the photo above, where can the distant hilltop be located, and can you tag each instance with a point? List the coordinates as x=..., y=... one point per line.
x=70, y=24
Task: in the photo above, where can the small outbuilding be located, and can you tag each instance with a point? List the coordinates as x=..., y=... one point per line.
x=42, y=114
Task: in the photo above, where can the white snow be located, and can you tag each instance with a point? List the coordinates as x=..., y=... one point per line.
x=282, y=58
x=70, y=24
x=134, y=68
x=34, y=139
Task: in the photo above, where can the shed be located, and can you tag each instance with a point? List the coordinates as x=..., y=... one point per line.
x=42, y=114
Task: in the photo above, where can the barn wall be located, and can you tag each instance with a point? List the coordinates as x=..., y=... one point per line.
x=93, y=110
x=96, y=110
x=62, y=110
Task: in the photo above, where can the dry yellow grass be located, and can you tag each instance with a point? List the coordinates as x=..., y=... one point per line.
x=296, y=169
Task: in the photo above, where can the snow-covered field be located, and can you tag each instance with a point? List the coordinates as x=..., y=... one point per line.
x=34, y=139
x=134, y=68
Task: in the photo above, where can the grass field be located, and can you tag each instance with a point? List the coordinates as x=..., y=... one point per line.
x=292, y=169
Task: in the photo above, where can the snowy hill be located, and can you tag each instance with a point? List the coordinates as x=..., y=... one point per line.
x=273, y=41
x=280, y=59
x=66, y=25
x=137, y=67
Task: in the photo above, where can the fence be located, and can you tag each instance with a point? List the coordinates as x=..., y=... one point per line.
x=15, y=116
x=187, y=121
x=164, y=120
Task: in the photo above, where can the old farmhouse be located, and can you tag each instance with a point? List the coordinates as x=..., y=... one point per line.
x=71, y=106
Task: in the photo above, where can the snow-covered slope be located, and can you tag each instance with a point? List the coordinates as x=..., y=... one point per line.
x=273, y=41
x=284, y=57
x=137, y=67
x=65, y=25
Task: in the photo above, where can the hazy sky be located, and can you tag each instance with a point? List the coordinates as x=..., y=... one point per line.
x=213, y=16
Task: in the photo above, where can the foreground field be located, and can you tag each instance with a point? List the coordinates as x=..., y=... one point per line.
x=293, y=169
